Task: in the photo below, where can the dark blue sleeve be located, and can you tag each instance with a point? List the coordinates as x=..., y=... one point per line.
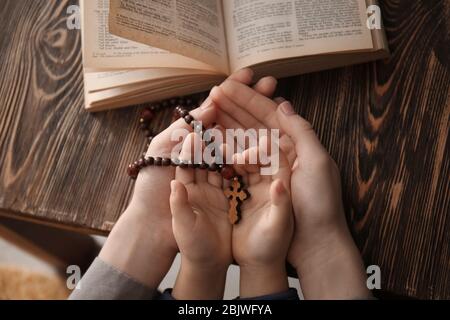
x=166, y=295
x=291, y=294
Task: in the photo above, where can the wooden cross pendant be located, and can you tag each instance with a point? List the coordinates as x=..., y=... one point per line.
x=237, y=194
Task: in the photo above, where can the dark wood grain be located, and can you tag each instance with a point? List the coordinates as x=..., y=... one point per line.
x=385, y=123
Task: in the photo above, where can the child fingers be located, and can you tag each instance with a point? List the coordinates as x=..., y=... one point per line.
x=250, y=173
x=182, y=212
x=281, y=205
x=217, y=150
x=191, y=143
x=284, y=170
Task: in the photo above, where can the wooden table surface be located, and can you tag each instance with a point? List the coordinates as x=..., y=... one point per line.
x=385, y=123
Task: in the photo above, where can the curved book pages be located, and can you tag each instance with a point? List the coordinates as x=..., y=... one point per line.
x=137, y=51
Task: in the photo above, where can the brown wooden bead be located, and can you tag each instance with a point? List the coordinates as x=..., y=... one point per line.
x=150, y=161
x=165, y=104
x=173, y=102
x=142, y=163
x=133, y=171
x=183, y=113
x=148, y=133
x=147, y=115
x=192, y=165
x=204, y=166
x=166, y=162
x=154, y=108
x=227, y=173
x=213, y=167
x=175, y=162
x=184, y=164
x=189, y=119
x=158, y=162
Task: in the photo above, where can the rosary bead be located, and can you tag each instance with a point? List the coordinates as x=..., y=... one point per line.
x=158, y=162
x=189, y=119
x=149, y=161
x=142, y=163
x=173, y=102
x=166, y=162
x=181, y=101
x=175, y=162
x=148, y=133
x=189, y=102
x=183, y=113
x=147, y=115
x=227, y=173
x=184, y=164
x=165, y=104
x=133, y=171
x=143, y=126
x=213, y=167
x=204, y=166
x=192, y=165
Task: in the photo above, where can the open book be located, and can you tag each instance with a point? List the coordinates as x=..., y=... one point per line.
x=137, y=51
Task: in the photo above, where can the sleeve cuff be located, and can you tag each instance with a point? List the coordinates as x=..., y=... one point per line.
x=104, y=282
x=167, y=295
x=291, y=294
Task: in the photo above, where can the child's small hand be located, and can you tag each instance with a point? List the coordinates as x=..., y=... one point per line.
x=201, y=229
x=262, y=238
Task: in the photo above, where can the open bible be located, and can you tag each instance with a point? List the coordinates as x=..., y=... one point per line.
x=137, y=51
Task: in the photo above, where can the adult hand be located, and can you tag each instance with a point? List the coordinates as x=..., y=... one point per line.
x=323, y=252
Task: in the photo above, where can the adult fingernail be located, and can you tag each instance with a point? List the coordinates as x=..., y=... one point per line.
x=287, y=108
x=279, y=100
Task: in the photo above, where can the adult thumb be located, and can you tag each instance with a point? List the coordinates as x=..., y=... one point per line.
x=299, y=130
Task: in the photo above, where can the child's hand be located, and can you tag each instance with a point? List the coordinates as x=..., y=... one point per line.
x=262, y=238
x=201, y=228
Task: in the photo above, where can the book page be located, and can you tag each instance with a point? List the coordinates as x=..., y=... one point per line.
x=97, y=80
x=192, y=28
x=102, y=50
x=264, y=30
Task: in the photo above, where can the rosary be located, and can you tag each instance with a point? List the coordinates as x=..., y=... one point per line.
x=236, y=193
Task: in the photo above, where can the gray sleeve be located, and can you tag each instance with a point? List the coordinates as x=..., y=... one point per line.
x=104, y=282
